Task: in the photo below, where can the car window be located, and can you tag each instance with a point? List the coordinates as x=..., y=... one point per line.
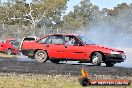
x=29, y=39
x=43, y=40
x=85, y=39
x=57, y=39
x=66, y=38
x=71, y=40
x=48, y=40
x=14, y=42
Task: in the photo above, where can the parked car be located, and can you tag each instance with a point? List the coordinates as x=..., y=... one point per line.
x=59, y=47
x=10, y=46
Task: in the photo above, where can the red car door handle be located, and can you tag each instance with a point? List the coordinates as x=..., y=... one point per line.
x=65, y=46
x=47, y=45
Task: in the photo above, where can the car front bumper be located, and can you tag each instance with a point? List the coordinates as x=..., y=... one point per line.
x=115, y=57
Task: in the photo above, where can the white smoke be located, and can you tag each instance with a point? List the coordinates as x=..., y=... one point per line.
x=113, y=31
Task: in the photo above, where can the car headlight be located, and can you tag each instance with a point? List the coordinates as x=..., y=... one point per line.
x=123, y=56
x=114, y=52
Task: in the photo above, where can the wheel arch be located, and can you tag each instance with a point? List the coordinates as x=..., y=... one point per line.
x=103, y=57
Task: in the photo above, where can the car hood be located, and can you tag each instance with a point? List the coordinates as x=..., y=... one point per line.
x=103, y=48
x=109, y=48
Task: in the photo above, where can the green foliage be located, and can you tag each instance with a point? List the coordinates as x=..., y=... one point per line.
x=118, y=9
x=19, y=12
x=13, y=12
x=81, y=16
x=49, y=14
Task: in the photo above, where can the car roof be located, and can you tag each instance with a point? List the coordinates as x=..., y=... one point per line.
x=62, y=34
x=31, y=37
x=58, y=34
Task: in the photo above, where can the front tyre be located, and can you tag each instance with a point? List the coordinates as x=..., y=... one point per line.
x=41, y=56
x=96, y=59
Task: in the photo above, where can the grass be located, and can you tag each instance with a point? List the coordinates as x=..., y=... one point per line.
x=44, y=81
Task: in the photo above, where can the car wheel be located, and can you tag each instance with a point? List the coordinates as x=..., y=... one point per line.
x=109, y=64
x=55, y=61
x=96, y=59
x=9, y=52
x=41, y=56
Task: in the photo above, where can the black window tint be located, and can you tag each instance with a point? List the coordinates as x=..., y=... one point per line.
x=29, y=39
x=57, y=39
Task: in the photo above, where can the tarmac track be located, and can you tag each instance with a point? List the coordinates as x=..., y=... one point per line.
x=30, y=66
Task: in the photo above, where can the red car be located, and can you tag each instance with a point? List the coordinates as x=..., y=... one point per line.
x=9, y=47
x=58, y=47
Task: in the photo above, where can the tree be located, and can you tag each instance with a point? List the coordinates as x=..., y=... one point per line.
x=47, y=13
x=79, y=17
x=118, y=9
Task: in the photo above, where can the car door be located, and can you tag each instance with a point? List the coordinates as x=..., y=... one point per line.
x=56, y=48
x=54, y=45
x=43, y=43
x=74, y=51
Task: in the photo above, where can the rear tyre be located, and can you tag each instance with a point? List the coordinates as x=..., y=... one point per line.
x=109, y=64
x=55, y=61
x=9, y=52
x=41, y=56
x=96, y=59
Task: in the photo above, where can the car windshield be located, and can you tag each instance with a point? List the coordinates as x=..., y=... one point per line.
x=85, y=40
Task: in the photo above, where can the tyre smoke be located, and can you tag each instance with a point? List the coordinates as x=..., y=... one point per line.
x=112, y=31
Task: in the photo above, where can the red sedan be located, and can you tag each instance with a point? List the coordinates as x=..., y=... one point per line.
x=9, y=47
x=58, y=47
